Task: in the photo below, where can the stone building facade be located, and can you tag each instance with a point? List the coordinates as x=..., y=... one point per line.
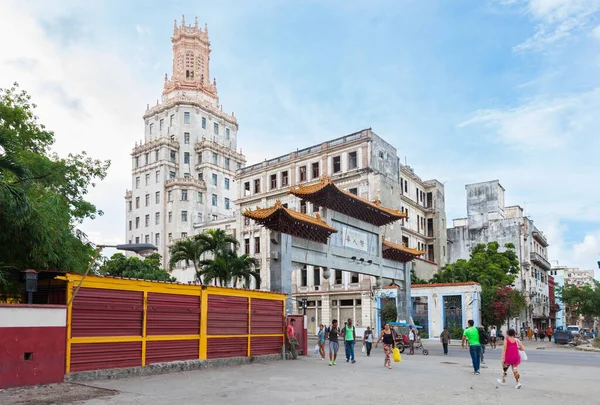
x=363, y=164
x=564, y=276
x=183, y=170
x=489, y=220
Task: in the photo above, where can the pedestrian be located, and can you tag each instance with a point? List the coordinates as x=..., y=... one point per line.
x=333, y=333
x=522, y=333
x=293, y=343
x=445, y=340
x=549, y=333
x=412, y=336
x=536, y=333
x=483, y=341
x=368, y=340
x=529, y=333
x=493, y=334
x=321, y=336
x=471, y=334
x=511, y=357
x=388, y=344
x=349, y=334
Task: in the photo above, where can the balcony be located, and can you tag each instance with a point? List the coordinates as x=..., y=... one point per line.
x=540, y=238
x=128, y=194
x=540, y=260
x=186, y=182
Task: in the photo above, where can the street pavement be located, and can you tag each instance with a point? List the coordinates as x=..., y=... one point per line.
x=551, y=374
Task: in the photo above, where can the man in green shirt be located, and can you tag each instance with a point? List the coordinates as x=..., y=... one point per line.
x=349, y=334
x=472, y=335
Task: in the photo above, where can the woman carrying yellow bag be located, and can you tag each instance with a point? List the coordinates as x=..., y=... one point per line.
x=396, y=355
x=388, y=343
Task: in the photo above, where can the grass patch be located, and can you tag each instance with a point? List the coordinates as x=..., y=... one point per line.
x=596, y=342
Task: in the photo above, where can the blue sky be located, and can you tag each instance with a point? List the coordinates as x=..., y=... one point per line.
x=467, y=91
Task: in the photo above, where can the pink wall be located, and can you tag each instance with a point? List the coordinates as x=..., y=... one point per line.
x=32, y=344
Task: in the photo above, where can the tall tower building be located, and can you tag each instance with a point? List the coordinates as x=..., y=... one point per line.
x=183, y=170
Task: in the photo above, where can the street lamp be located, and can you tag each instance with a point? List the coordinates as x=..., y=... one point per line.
x=142, y=249
x=31, y=282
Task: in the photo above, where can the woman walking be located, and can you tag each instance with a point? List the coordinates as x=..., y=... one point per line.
x=511, y=357
x=388, y=344
x=321, y=336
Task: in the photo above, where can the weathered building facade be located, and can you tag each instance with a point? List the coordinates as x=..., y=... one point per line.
x=363, y=164
x=183, y=170
x=489, y=220
x=564, y=276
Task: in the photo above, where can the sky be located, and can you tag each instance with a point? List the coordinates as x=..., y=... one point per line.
x=467, y=91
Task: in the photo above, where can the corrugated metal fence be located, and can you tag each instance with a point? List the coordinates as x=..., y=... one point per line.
x=115, y=323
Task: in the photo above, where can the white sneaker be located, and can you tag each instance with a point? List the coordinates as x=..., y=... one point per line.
x=500, y=382
x=518, y=386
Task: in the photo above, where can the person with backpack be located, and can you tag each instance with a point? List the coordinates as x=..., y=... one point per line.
x=483, y=341
x=333, y=333
x=349, y=334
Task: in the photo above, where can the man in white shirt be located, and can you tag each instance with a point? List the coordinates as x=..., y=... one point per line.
x=493, y=335
x=412, y=336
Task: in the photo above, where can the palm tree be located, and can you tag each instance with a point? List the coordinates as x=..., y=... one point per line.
x=216, y=241
x=187, y=250
x=244, y=267
x=216, y=269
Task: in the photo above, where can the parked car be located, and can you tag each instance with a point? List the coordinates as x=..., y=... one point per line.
x=574, y=329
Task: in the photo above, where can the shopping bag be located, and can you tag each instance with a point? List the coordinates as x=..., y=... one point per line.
x=316, y=348
x=396, y=355
x=523, y=355
x=364, y=349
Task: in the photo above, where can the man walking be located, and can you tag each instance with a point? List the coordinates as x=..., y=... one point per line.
x=483, y=341
x=368, y=340
x=493, y=334
x=292, y=339
x=472, y=335
x=412, y=336
x=333, y=332
x=445, y=340
x=349, y=334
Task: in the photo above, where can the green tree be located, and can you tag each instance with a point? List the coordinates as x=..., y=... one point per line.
x=42, y=196
x=583, y=301
x=243, y=268
x=389, y=311
x=416, y=280
x=499, y=304
x=187, y=250
x=133, y=267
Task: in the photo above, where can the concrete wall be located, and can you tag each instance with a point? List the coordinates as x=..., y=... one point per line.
x=32, y=344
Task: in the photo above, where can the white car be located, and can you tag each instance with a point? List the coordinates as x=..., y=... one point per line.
x=574, y=329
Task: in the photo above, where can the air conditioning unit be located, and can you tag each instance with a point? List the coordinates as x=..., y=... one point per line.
x=275, y=255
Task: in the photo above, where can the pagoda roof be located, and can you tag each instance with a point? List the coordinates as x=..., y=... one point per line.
x=326, y=194
x=397, y=252
x=285, y=220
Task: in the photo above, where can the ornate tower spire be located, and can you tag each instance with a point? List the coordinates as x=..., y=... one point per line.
x=191, y=57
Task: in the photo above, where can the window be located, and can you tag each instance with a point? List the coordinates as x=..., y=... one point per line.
x=353, y=191
x=184, y=234
x=156, y=155
x=137, y=182
x=199, y=218
x=226, y=203
x=405, y=186
x=315, y=208
x=303, y=277
x=315, y=170
x=214, y=217
x=380, y=154
x=137, y=222
x=186, y=117
x=186, y=175
x=173, y=156
x=157, y=218
x=161, y=124
x=405, y=241
x=171, y=118
x=130, y=225
x=170, y=217
x=183, y=195
x=257, y=244
x=147, y=158
x=137, y=202
x=199, y=157
x=157, y=176
x=137, y=239
x=216, y=128
x=200, y=197
x=352, y=161
x=148, y=179
x=284, y=179
x=354, y=278
x=226, y=183
x=247, y=246
x=337, y=277
x=169, y=196
x=203, y=122
x=256, y=186
x=186, y=138
x=302, y=173
x=147, y=200
x=247, y=188
x=227, y=133
x=172, y=174
x=246, y=221
x=147, y=239
x=303, y=206
x=337, y=164
x=183, y=216
x=157, y=239
x=147, y=220
x=214, y=179
x=214, y=200
x=129, y=205
x=137, y=162
x=227, y=163
x=317, y=275
x=201, y=176
x=215, y=158
x=273, y=181
x=151, y=129
x=186, y=158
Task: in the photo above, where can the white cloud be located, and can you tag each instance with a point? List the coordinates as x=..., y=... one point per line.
x=596, y=32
